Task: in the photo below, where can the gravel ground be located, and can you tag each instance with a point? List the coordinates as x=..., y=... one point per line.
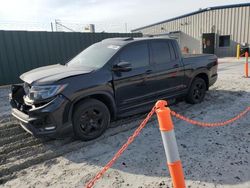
x=4, y=103
x=211, y=157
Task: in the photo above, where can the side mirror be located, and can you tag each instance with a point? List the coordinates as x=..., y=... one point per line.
x=122, y=67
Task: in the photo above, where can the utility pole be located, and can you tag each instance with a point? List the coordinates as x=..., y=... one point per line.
x=126, y=27
x=51, y=25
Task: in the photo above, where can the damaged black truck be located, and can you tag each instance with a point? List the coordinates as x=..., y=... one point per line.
x=110, y=79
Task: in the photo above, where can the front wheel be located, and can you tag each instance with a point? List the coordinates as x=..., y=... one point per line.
x=91, y=118
x=197, y=91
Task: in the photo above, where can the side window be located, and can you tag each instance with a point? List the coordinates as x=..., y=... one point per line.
x=161, y=52
x=136, y=54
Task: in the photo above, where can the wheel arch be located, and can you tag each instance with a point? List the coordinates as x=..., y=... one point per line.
x=104, y=97
x=202, y=75
x=190, y=95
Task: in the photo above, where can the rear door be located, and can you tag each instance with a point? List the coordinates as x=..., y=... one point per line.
x=168, y=68
x=132, y=87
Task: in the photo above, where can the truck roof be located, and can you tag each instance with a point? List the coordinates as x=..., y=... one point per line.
x=124, y=41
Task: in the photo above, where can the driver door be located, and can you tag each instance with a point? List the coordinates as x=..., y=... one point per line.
x=132, y=88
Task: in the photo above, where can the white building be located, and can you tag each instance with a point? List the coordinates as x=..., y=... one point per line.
x=212, y=30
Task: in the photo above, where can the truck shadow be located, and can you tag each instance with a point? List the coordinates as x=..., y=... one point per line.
x=218, y=155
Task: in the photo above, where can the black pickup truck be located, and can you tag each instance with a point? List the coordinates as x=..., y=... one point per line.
x=113, y=78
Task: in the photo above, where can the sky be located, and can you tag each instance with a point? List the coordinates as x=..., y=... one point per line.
x=107, y=15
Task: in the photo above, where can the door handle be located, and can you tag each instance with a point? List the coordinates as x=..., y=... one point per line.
x=176, y=66
x=149, y=71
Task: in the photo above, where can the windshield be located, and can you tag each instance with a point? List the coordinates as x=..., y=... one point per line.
x=94, y=56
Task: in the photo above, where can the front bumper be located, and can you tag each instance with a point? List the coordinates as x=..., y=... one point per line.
x=49, y=119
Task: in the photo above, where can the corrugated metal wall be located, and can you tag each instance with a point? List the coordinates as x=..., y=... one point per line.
x=229, y=21
x=21, y=51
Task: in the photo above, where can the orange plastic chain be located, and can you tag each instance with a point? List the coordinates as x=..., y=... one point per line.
x=204, y=124
x=91, y=183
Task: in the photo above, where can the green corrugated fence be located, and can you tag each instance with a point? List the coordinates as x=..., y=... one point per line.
x=21, y=51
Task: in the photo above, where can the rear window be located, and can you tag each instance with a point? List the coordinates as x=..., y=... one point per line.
x=136, y=54
x=163, y=52
x=160, y=52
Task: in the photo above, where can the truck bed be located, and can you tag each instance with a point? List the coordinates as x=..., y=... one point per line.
x=198, y=59
x=196, y=55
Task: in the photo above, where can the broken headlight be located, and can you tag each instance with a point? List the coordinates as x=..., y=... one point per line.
x=38, y=93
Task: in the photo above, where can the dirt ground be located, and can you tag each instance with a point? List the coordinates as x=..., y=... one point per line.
x=211, y=157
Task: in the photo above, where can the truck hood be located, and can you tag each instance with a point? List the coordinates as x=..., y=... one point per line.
x=52, y=73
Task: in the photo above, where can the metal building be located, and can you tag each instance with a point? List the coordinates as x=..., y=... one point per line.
x=215, y=30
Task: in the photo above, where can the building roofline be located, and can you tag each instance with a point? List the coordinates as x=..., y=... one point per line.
x=193, y=13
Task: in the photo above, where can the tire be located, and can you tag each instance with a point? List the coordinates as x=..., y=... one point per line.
x=197, y=91
x=90, y=119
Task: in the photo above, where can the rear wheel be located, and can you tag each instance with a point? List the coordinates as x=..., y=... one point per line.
x=197, y=91
x=91, y=118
